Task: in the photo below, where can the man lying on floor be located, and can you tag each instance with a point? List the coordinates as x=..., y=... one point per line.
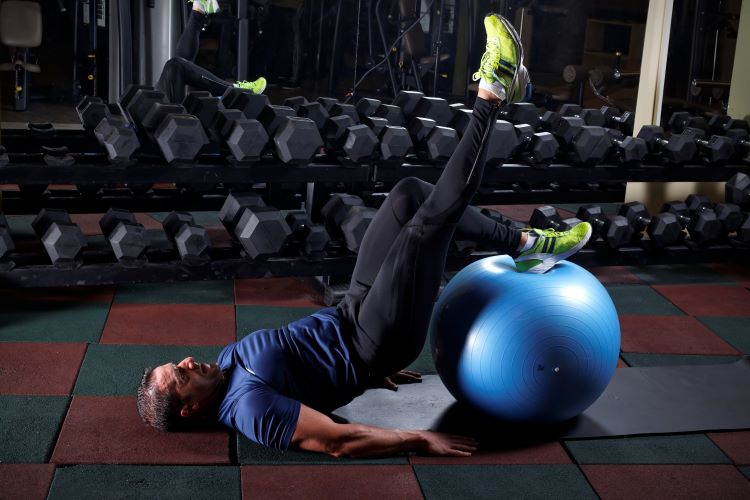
x=276, y=386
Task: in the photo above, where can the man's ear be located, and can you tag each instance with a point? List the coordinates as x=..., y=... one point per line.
x=189, y=409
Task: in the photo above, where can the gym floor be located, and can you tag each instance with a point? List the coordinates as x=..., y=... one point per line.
x=71, y=358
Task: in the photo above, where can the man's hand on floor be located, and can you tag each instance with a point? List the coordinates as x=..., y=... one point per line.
x=403, y=377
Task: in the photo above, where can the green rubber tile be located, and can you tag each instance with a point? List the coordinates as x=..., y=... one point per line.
x=609, y=208
x=503, y=481
x=250, y=453
x=189, y=292
x=116, y=370
x=201, y=218
x=20, y=226
x=735, y=331
x=157, y=239
x=641, y=299
x=424, y=363
x=679, y=274
x=29, y=426
x=677, y=449
x=640, y=360
x=130, y=481
x=252, y=318
x=745, y=471
x=48, y=321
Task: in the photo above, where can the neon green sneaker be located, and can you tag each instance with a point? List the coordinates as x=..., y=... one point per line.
x=501, y=70
x=257, y=87
x=206, y=6
x=552, y=246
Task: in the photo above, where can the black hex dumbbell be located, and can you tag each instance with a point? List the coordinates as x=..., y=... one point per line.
x=681, y=120
x=311, y=238
x=720, y=124
x=432, y=142
x=702, y=226
x=624, y=122
x=717, y=149
x=296, y=140
x=111, y=131
x=728, y=214
x=677, y=149
x=590, y=116
x=125, y=234
x=737, y=190
x=627, y=149
x=6, y=244
x=260, y=229
x=62, y=240
x=741, y=140
x=546, y=217
x=584, y=144
x=663, y=229
x=616, y=231
x=347, y=216
x=508, y=141
x=190, y=239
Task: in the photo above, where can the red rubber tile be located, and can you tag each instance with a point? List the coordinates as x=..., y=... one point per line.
x=98, y=294
x=147, y=221
x=542, y=453
x=708, y=300
x=667, y=481
x=621, y=363
x=89, y=223
x=108, y=430
x=332, y=482
x=9, y=187
x=170, y=324
x=219, y=237
x=670, y=335
x=39, y=368
x=736, y=445
x=615, y=274
x=735, y=271
x=27, y=481
x=285, y=292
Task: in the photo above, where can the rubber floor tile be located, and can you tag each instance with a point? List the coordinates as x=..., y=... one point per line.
x=615, y=274
x=332, y=482
x=503, y=481
x=424, y=363
x=745, y=471
x=219, y=237
x=626, y=482
x=89, y=223
x=20, y=226
x=97, y=482
x=52, y=321
x=39, y=369
x=736, y=445
x=185, y=324
x=187, y=292
x=733, y=270
x=108, y=430
x=680, y=273
x=116, y=370
x=284, y=292
x=252, y=318
x=736, y=331
x=99, y=294
x=670, y=335
x=640, y=299
x=250, y=453
x=676, y=449
x=29, y=426
x=639, y=360
x=541, y=453
x=708, y=300
x=25, y=481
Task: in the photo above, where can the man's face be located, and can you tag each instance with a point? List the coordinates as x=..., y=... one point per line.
x=193, y=383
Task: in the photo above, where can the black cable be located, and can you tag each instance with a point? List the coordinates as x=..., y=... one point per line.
x=393, y=46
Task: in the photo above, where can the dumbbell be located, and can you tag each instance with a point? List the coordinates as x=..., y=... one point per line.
x=431, y=141
x=260, y=229
x=62, y=240
x=663, y=229
x=346, y=215
x=703, y=226
x=741, y=142
x=728, y=214
x=112, y=132
x=590, y=116
x=743, y=232
x=717, y=149
x=680, y=120
x=737, y=190
x=91, y=110
x=296, y=140
x=546, y=217
x=627, y=149
x=312, y=239
x=616, y=231
x=6, y=243
x=677, y=149
x=125, y=234
x=392, y=144
x=719, y=124
x=624, y=122
x=178, y=135
x=582, y=143
x=190, y=239
x=508, y=141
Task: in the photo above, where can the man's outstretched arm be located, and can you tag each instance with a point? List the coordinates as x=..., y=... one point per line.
x=317, y=432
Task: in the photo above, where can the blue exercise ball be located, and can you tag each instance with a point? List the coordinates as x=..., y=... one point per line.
x=525, y=347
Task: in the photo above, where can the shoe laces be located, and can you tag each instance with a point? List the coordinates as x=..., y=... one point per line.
x=490, y=61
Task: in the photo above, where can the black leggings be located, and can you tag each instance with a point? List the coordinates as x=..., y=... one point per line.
x=402, y=257
x=181, y=70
